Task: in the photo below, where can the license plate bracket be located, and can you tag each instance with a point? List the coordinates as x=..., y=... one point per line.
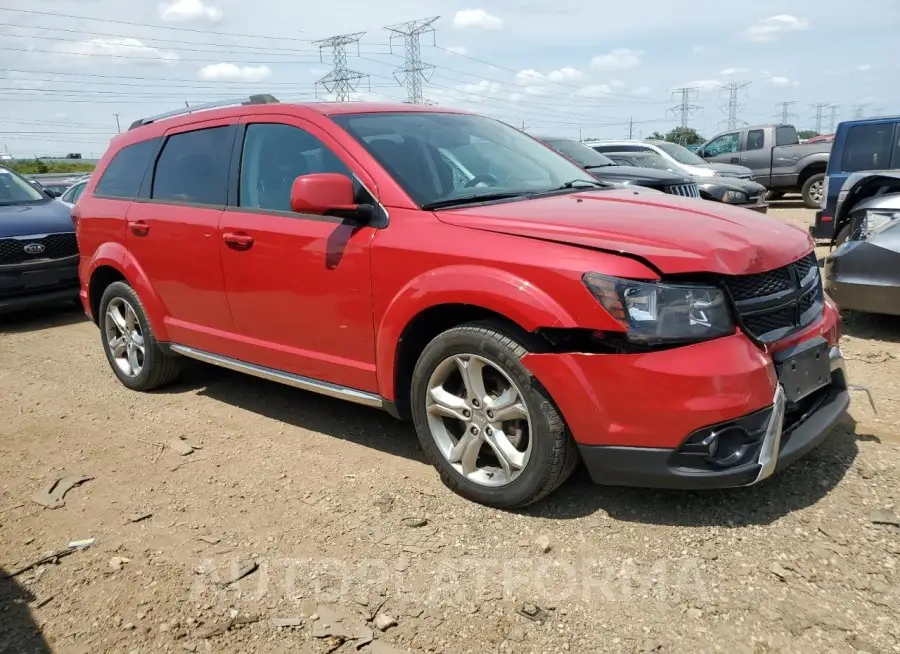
x=38, y=278
x=803, y=369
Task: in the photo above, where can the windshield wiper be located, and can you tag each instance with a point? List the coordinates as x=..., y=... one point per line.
x=471, y=199
x=573, y=183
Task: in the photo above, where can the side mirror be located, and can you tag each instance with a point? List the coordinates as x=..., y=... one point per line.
x=701, y=152
x=52, y=193
x=327, y=194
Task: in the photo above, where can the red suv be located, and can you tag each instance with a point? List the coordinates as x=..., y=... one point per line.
x=455, y=271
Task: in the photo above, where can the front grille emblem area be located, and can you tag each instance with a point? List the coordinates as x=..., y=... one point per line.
x=34, y=248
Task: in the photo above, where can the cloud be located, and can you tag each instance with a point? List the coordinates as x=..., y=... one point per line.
x=728, y=72
x=532, y=78
x=477, y=19
x=117, y=50
x=593, y=91
x=616, y=83
x=782, y=82
x=699, y=49
x=641, y=90
x=179, y=11
x=864, y=68
x=705, y=84
x=225, y=72
x=768, y=29
x=457, y=49
x=564, y=74
x=618, y=59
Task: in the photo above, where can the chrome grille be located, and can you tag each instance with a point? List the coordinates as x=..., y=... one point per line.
x=777, y=303
x=55, y=246
x=684, y=190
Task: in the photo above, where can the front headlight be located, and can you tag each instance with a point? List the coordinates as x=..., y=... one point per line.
x=876, y=221
x=735, y=197
x=654, y=312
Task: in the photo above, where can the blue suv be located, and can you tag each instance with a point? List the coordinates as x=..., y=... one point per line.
x=865, y=144
x=38, y=248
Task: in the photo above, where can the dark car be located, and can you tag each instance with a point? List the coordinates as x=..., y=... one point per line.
x=736, y=192
x=38, y=249
x=607, y=170
x=863, y=273
x=867, y=144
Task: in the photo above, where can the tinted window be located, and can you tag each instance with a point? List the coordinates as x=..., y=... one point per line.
x=619, y=148
x=193, y=167
x=273, y=157
x=16, y=190
x=755, y=139
x=868, y=147
x=722, y=144
x=122, y=177
x=786, y=135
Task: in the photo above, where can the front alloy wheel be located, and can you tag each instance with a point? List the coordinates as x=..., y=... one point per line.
x=478, y=420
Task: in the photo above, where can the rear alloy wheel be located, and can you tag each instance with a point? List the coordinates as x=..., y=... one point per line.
x=487, y=425
x=131, y=349
x=813, y=190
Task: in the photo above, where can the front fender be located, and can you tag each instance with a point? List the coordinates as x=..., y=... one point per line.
x=116, y=256
x=495, y=290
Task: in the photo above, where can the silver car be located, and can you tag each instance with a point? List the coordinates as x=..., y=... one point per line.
x=863, y=273
x=676, y=154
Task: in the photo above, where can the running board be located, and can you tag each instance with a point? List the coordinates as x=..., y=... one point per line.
x=304, y=383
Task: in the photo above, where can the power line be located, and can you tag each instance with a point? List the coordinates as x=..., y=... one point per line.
x=832, y=121
x=341, y=81
x=733, y=105
x=413, y=70
x=859, y=110
x=785, y=113
x=684, y=108
x=819, y=108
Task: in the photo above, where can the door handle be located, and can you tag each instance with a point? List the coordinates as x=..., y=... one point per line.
x=735, y=160
x=238, y=240
x=138, y=227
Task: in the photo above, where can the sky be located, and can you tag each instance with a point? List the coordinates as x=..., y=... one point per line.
x=74, y=72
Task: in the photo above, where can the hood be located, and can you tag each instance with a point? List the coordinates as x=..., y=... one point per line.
x=730, y=184
x=49, y=217
x=674, y=234
x=728, y=170
x=638, y=175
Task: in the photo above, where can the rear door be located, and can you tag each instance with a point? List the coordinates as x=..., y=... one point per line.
x=173, y=230
x=755, y=155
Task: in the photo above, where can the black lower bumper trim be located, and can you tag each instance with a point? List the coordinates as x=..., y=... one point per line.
x=651, y=467
x=17, y=303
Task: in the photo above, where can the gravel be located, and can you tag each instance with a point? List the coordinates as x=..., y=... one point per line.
x=303, y=502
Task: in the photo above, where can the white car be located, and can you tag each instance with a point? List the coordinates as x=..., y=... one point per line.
x=676, y=154
x=70, y=195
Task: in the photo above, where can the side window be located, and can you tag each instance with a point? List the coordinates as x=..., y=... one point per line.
x=867, y=147
x=124, y=174
x=274, y=155
x=193, y=167
x=723, y=144
x=77, y=191
x=786, y=135
x=755, y=139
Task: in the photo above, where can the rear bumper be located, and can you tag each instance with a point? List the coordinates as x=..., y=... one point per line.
x=784, y=441
x=34, y=284
x=823, y=227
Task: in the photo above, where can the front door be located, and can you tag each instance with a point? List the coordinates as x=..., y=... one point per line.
x=298, y=285
x=724, y=149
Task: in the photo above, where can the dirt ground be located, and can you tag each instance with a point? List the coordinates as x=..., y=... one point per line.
x=345, y=534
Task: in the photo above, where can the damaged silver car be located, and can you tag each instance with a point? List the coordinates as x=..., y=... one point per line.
x=863, y=272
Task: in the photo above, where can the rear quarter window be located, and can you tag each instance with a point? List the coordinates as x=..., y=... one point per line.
x=868, y=147
x=124, y=174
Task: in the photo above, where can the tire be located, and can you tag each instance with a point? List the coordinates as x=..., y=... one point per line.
x=809, y=187
x=842, y=236
x=774, y=195
x=156, y=367
x=553, y=454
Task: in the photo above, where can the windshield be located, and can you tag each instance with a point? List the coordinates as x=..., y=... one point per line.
x=650, y=160
x=580, y=153
x=15, y=190
x=440, y=158
x=681, y=154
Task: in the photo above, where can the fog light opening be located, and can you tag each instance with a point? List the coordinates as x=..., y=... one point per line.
x=727, y=447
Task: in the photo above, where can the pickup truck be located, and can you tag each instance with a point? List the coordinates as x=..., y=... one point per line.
x=777, y=158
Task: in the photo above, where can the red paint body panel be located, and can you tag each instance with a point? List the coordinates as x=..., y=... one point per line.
x=657, y=399
x=323, y=299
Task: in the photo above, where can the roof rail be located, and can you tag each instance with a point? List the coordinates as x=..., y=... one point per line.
x=263, y=98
